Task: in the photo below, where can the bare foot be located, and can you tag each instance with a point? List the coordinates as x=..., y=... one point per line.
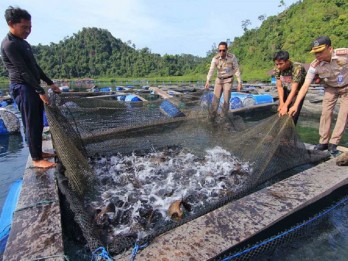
x=44, y=164
x=46, y=155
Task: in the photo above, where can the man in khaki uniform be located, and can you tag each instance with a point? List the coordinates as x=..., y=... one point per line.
x=332, y=67
x=227, y=66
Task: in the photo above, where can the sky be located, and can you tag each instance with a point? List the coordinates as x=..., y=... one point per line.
x=163, y=26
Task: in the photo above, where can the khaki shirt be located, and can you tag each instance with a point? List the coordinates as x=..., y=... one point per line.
x=226, y=67
x=333, y=73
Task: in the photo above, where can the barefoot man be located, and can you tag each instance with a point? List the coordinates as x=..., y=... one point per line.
x=25, y=75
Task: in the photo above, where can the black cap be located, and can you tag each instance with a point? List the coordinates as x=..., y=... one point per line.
x=320, y=43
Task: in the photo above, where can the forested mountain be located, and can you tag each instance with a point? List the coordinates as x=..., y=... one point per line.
x=292, y=30
x=94, y=52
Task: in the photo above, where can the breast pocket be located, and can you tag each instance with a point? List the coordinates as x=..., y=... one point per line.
x=324, y=73
x=229, y=67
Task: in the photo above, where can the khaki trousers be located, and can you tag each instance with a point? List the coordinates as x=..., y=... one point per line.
x=330, y=98
x=220, y=86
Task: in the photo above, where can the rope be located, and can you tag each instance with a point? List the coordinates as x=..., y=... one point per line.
x=103, y=254
x=246, y=251
x=46, y=257
x=41, y=203
x=136, y=249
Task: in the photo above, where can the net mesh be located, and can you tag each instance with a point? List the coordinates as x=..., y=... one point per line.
x=138, y=169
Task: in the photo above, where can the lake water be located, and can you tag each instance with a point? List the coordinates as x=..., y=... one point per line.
x=13, y=157
x=328, y=241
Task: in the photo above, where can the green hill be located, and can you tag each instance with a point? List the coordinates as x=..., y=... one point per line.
x=292, y=30
x=94, y=52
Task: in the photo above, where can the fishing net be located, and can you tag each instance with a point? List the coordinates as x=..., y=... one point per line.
x=135, y=169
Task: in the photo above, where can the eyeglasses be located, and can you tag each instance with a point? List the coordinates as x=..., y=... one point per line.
x=222, y=51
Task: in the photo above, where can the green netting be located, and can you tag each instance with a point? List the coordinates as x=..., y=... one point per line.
x=131, y=163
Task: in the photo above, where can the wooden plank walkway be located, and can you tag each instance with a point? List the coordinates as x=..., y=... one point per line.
x=36, y=232
x=219, y=230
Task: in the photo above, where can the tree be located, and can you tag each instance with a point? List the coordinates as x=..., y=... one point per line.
x=262, y=17
x=94, y=52
x=245, y=24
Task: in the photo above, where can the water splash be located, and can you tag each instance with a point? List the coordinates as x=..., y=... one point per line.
x=142, y=187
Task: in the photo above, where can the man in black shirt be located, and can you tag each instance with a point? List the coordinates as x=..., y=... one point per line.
x=25, y=75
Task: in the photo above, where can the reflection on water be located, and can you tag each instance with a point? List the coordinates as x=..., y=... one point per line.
x=327, y=240
x=10, y=144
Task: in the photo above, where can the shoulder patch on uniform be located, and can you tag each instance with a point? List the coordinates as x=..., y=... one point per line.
x=341, y=51
x=315, y=63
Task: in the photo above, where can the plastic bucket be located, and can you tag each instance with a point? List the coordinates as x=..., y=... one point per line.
x=132, y=98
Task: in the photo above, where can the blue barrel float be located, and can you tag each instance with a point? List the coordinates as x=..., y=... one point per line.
x=132, y=98
x=263, y=98
x=246, y=98
x=239, y=99
x=7, y=213
x=235, y=101
x=119, y=88
x=121, y=98
x=252, y=99
x=133, y=101
x=105, y=89
x=64, y=88
x=207, y=98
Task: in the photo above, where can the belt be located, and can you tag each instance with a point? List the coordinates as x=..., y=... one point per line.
x=339, y=87
x=224, y=78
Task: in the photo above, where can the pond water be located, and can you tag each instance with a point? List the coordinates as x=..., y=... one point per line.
x=13, y=158
x=329, y=241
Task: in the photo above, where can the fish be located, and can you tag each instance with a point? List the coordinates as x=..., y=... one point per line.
x=342, y=160
x=102, y=218
x=177, y=208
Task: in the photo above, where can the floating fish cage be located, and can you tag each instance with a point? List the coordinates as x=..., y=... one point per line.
x=135, y=170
